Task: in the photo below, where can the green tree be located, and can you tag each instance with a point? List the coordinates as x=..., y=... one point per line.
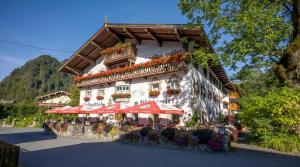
x=75, y=96
x=36, y=77
x=273, y=118
x=260, y=34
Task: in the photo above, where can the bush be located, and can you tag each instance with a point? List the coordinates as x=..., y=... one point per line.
x=169, y=133
x=182, y=139
x=272, y=117
x=131, y=137
x=203, y=135
x=153, y=136
x=215, y=144
x=144, y=131
x=125, y=128
x=282, y=142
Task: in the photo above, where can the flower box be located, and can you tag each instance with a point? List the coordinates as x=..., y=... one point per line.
x=99, y=97
x=178, y=57
x=154, y=93
x=172, y=91
x=121, y=95
x=86, y=98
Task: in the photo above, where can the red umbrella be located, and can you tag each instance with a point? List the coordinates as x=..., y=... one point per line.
x=114, y=108
x=152, y=107
x=66, y=110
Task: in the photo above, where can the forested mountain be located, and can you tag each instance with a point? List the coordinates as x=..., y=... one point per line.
x=37, y=77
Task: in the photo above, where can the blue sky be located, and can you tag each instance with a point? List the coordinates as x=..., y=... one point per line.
x=67, y=24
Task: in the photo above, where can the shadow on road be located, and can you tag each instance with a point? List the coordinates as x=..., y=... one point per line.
x=115, y=154
x=24, y=137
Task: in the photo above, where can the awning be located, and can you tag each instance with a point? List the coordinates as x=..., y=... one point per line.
x=152, y=107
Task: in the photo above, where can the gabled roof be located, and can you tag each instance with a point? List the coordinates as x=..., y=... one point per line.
x=53, y=94
x=110, y=34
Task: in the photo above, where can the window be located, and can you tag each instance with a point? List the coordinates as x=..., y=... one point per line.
x=88, y=93
x=155, y=86
x=122, y=89
x=205, y=72
x=100, y=92
x=174, y=82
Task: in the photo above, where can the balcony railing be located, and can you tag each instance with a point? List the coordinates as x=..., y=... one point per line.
x=115, y=57
x=144, y=72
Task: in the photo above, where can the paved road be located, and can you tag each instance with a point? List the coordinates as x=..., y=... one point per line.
x=41, y=150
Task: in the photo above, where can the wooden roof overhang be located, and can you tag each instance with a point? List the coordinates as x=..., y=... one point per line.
x=110, y=34
x=53, y=94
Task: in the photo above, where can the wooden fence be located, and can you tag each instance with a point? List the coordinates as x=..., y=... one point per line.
x=9, y=154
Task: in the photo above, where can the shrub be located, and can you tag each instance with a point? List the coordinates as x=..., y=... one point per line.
x=193, y=141
x=169, y=133
x=182, y=139
x=144, y=131
x=203, y=135
x=113, y=132
x=153, y=136
x=272, y=116
x=95, y=127
x=281, y=142
x=107, y=128
x=215, y=144
x=125, y=128
x=131, y=137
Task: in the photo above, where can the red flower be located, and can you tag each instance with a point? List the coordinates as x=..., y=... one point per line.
x=86, y=98
x=178, y=57
x=154, y=93
x=99, y=97
x=121, y=95
x=172, y=91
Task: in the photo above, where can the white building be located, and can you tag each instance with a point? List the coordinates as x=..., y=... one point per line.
x=135, y=63
x=55, y=99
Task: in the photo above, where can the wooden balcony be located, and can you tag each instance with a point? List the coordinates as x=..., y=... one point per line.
x=144, y=72
x=128, y=55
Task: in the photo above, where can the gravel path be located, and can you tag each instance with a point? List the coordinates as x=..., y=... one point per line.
x=41, y=150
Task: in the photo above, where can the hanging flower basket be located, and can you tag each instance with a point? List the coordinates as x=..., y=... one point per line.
x=86, y=98
x=154, y=93
x=99, y=97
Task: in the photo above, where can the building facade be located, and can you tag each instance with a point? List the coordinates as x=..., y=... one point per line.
x=52, y=100
x=136, y=63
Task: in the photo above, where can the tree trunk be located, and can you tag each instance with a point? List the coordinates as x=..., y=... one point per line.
x=289, y=66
